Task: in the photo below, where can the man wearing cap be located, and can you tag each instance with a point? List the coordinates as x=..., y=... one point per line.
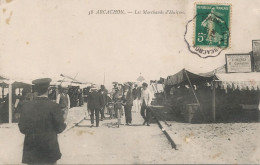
x=95, y=103
x=41, y=120
x=63, y=100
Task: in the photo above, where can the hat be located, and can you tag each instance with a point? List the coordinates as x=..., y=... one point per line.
x=42, y=81
x=94, y=86
x=126, y=84
x=65, y=88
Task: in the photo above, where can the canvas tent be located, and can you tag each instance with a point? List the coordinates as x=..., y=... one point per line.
x=217, y=77
x=240, y=81
x=185, y=76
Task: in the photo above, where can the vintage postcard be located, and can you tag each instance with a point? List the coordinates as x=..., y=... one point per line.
x=129, y=81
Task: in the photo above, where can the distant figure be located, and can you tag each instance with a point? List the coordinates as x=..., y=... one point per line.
x=117, y=98
x=103, y=93
x=138, y=99
x=63, y=100
x=26, y=96
x=81, y=101
x=146, y=99
x=134, y=93
x=95, y=103
x=128, y=103
x=4, y=114
x=41, y=120
x=110, y=106
x=74, y=96
x=52, y=94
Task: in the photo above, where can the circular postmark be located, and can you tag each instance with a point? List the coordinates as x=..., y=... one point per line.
x=207, y=33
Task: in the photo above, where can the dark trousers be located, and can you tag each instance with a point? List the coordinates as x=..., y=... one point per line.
x=146, y=113
x=102, y=112
x=128, y=113
x=96, y=111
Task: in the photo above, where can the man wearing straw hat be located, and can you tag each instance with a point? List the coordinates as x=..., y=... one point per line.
x=41, y=120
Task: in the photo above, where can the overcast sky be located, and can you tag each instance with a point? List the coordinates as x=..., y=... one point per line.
x=50, y=37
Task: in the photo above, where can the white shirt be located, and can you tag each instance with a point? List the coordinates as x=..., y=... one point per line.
x=146, y=96
x=58, y=99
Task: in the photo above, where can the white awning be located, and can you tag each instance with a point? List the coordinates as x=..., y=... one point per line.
x=251, y=77
x=239, y=80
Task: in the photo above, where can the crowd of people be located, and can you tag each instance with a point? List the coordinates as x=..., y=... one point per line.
x=41, y=118
x=119, y=102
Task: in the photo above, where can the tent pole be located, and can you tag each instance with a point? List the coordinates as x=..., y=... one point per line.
x=192, y=87
x=74, y=78
x=214, y=99
x=10, y=103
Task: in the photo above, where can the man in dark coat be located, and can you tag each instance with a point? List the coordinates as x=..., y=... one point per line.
x=135, y=92
x=41, y=120
x=128, y=103
x=103, y=91
x=95, y=103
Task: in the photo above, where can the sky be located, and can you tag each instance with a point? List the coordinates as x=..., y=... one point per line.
x=52, y=37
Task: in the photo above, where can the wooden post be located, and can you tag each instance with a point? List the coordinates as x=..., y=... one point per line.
x=3, y=92
x=57, y=92
x=164, y=93
x=214, y=100
x=10, y=103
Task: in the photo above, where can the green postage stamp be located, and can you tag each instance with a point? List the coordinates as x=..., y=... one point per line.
x=212, y=25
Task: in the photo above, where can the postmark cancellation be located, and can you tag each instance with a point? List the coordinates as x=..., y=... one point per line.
x=208, y=32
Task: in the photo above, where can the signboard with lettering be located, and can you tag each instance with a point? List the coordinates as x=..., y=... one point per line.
x=256, y=54
x=238, y=63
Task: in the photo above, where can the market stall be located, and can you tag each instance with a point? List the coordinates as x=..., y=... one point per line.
x=236, y=94
x=187, y=94
x=10, y=101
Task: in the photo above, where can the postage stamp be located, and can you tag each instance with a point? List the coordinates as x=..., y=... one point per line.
x=208, y=32
x=212, y=25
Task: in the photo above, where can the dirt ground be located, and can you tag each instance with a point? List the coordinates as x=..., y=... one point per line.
x=197, y=143
x=236, y=143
